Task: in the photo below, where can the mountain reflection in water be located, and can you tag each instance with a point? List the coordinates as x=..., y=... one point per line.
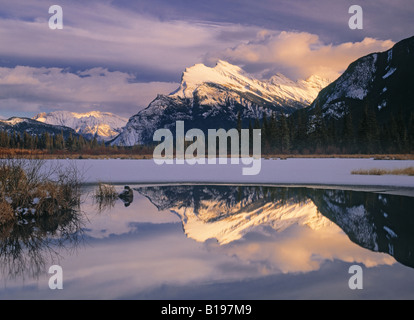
x=378, y=222
x=232, y=234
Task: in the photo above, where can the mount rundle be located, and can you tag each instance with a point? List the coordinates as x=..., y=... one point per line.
x=214, y=97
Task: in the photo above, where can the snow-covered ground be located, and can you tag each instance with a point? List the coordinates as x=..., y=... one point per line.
x=329, y=172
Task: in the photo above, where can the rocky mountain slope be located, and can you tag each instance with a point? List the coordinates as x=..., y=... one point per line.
x=382, y=81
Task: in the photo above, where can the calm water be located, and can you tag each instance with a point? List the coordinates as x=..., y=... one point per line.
x=216, y=242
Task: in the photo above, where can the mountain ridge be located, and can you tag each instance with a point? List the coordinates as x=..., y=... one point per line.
x=21, y=125
x=104, y=125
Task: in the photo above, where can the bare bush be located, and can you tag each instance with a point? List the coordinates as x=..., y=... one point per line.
x=39, y=212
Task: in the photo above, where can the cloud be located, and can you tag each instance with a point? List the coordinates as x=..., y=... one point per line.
x=298, y=54
x=38, y=89
x=143, y=47
x=302, y=249
x=100, y=34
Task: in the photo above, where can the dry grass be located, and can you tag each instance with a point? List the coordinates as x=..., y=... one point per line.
x=25, y=190
x=122, y=154
x=106, y=191
x=39, y=212
x=343, y=156
x=105, y=196
x=379, y=172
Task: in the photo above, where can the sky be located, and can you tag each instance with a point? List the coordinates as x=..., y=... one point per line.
x=116, y=56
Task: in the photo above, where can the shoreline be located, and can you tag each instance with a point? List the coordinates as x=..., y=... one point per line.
x=392, y=190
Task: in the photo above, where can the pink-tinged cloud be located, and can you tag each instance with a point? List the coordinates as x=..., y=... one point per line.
x=36, y=89
x=299, y=54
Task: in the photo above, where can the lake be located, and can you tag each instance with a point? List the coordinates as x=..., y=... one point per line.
x=191, y=241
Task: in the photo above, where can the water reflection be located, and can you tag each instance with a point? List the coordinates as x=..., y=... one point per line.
x=127, y=196
x=378, y=222
x=28, y=245
x=173, y=240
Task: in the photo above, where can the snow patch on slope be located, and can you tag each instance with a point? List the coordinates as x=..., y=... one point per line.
x=389, y=73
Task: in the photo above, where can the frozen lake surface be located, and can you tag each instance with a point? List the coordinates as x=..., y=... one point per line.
x=297, y=171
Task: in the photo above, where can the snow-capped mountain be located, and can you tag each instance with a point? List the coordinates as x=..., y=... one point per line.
x=104, y=125
x=278, y=90
x=209, y=98
x=382, y=81
x=33, y=127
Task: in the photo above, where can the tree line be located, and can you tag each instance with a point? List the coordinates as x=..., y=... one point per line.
x=313, y=134
x=72, y=144
x=46, y=141
x=300, y=133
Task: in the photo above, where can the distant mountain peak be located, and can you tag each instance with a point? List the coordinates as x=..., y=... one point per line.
x=104, y=125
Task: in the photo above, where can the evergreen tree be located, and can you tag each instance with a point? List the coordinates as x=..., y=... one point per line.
x=394, y=136
x=70, y=142
x=36, y=142
x=18, y=141
x=300, y=135
x=13, y=141
x=4, y=140
x=94, y=143
x=331, y=139
x=368, y=133
x=47, y=141
x=59, y=142
x=283, y=134
x=402, y=134
x=348, y=135
x=239, y=123
x=272, y=134
x=319, y=134
x=265, y=137
x=410, y=132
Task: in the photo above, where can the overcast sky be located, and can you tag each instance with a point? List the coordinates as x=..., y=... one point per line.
x=117, y=56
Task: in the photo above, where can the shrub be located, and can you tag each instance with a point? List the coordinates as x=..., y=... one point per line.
x=26, y=188
x=105, y=196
